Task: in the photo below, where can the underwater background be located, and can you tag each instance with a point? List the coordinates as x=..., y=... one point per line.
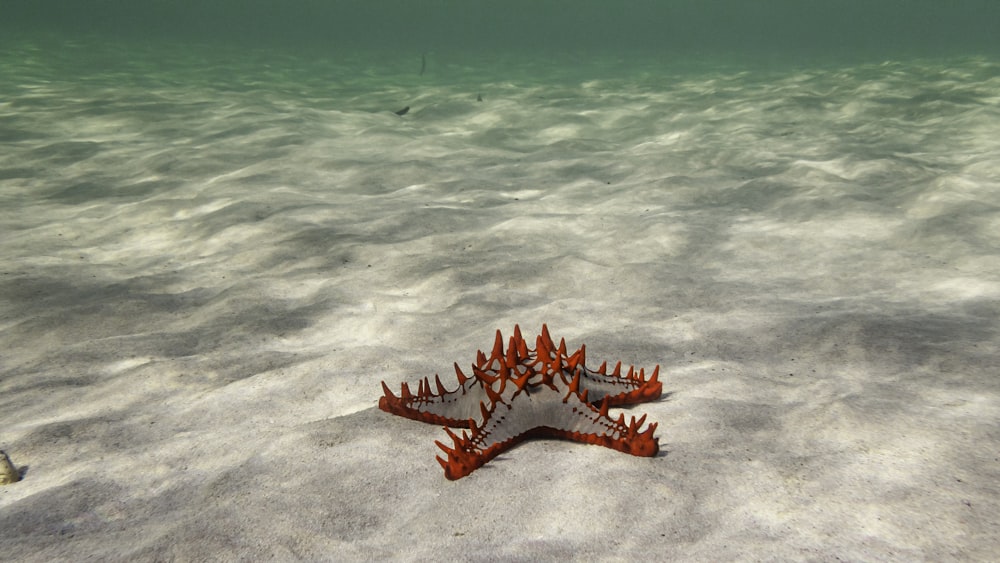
x=223, y=223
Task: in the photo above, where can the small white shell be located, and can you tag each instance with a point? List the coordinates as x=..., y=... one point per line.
x=8, y=473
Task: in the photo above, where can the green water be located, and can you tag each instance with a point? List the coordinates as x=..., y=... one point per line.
x=881, y=28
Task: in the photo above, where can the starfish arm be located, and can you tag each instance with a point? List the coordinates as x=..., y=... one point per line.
x=543, y=414
x=621, y=389
x=450, y=408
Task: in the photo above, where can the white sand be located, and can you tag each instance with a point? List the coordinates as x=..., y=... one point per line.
x=208, y=264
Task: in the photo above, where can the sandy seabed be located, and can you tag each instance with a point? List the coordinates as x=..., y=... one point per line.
x=210, y=259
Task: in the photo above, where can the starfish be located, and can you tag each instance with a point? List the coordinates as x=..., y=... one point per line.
x=522, y=393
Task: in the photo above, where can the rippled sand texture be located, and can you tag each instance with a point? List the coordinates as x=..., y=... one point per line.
x=210, y=258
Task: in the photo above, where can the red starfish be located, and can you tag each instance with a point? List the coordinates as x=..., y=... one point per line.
x=522, y=393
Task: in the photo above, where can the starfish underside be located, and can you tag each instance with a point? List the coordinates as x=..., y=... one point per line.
x=521, y=393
